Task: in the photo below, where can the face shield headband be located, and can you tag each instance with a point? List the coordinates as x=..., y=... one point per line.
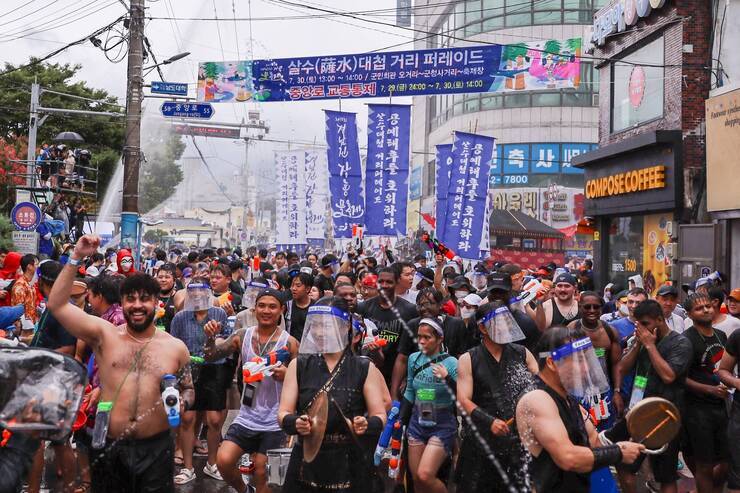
x=325, y=331
x=198, y=297
x=478, y=280
x=579, y=369
x=501, y=326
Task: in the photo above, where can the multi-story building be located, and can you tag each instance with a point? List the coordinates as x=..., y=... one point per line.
x=537, y=132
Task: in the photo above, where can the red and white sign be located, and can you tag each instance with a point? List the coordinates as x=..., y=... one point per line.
x=637, y=86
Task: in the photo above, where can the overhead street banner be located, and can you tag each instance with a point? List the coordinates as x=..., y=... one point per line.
x=532, y=66
x=204, y=131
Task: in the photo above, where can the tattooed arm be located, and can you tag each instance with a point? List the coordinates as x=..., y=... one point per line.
x=185, y=379
x=218, y=348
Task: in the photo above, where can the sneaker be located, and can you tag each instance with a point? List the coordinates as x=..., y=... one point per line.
x=212, y=471
x=185, y=476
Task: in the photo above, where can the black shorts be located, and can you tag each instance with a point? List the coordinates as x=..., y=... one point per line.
x=664, y=466
x=733, y=436
x=210, y=388
x=254, y=441
x=128, y=465
x=705, y=432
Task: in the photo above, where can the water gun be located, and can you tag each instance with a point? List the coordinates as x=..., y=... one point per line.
x=437, y=246
x=159, y=313
x=394, y=464
x=81, y=418
x=224, y=299
x=256, y=369
x=371, y=338
x=197, y=360
x=385, y=437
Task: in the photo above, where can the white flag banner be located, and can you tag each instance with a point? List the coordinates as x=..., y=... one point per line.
x=317, y=194
x=291, y=201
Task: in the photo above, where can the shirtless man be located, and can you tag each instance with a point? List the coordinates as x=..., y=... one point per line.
x=132, y=359
x=552, y=425
x=562, y=307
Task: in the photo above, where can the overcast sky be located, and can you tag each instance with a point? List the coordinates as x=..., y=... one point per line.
x=37, y=27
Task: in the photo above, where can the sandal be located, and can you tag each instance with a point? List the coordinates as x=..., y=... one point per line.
x=185, y=476
x=201, y=449
x=179, y=461
x=83, y=487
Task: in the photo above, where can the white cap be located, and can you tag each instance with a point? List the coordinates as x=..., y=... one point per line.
x=92, y=271
x=473, y=300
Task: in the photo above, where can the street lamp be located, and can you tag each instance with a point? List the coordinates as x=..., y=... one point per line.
x=171, y=59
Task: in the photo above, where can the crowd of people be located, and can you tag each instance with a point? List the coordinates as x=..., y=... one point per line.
x=58, y=166
x=369, y=374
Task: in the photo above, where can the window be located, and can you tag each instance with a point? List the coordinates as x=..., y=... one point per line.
x=546, y=99
x=637, y=86
x=625, y=248
x=492, y=102
x=472, y=103
x=516, y=100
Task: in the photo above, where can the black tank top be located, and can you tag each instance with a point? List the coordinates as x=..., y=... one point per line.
x=497, y=386
x=545, y=474
x=558, y=318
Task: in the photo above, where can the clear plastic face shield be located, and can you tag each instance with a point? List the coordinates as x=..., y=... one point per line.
x=334, y=267
x=249, y=300
x=40, y=390
x=478, y=280
x=326, y=330
x=198, y=297
x=579, y=369
x=501, y=326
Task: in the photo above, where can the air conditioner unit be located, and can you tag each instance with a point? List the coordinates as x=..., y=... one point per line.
x=671, y=250
x=594, y=100
x=669, y=228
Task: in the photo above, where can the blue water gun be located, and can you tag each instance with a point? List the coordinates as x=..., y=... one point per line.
x=385, y=437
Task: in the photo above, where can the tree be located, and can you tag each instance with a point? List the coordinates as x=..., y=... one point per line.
x=12, y=149
x=103, y=135
x=160, y=173
x=154, y=236
x=6, y=233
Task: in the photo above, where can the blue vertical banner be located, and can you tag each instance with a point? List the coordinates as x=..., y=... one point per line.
x=345, y=172
x=442, y=168
x=387, y=170
x=467, y=194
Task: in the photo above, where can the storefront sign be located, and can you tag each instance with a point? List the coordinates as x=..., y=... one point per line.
x=620, y=16
x=559, y=210
x=723, y=149
x=628, y=182
x=26, y=242
x=637, y=86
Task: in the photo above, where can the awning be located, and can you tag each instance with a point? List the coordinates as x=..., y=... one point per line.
x=515, y=223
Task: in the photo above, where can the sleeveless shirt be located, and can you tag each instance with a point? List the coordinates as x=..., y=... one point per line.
x=545, y=474
x=262, y=415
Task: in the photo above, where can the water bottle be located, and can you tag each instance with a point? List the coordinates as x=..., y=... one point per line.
x=102, y=419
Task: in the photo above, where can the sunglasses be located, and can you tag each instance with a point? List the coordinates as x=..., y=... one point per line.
x=592, y=307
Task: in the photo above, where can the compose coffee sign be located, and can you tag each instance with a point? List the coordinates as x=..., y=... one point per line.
x=621, y=16
x=637, y=180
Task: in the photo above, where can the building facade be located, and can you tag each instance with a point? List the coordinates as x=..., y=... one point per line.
x=537, y=132
x=646, y=180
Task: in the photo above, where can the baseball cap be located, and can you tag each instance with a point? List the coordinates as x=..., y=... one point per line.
x=499, y=280
x=426, y=273
x=459, y=282
x=473, y=300
x=271, y=292
x=669, y=290
x=566, y=278
x=735, y=294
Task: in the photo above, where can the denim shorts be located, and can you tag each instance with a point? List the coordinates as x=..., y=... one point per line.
x=445, y=430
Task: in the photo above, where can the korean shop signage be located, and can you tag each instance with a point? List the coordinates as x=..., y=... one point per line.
x=638, y=180
x=622, y=16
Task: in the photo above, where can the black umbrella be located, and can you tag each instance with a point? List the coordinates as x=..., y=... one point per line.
x=68, y=137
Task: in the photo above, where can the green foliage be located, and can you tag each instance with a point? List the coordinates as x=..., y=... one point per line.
x=154, y=236
x=512, y=51
x=160, y=173
x=552, y=46
x=103, y=135
x=6, y=233
x=211, y=70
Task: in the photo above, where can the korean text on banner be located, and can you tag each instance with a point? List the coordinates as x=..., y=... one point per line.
x=467, y=194
x=387, y=170
x=317, y=192
x=531, y=66
x=291, y=201
x=345, y=172
x=443, y=165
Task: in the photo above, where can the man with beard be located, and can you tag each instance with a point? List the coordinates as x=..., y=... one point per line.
x=562, y=308
x=132, y=361
x=382, y=311
x=255, y=430
x=429, y=305
x=554, y=427
x=211, y=381
x=490, y=377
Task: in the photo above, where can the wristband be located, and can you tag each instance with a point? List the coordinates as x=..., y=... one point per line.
x=374, y=425
x=610, y=455
x=73, y=261
x=288, y=424
x=481, y=418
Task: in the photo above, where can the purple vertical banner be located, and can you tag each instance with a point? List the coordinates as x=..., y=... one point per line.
x=467, y=194
x=345, y=172
x=387, y=170
x=442, y=168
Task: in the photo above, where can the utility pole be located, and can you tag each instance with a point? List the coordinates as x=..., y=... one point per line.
x=132, y=144
x=33, y=125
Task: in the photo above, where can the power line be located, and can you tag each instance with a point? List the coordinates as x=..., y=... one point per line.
x=61, y=21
